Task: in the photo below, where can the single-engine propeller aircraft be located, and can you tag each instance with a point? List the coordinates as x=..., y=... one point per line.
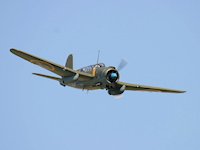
x=92, y=77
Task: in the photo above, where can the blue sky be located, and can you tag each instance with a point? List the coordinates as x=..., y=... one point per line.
x=160, y=41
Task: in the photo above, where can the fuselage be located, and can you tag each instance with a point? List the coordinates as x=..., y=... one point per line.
x=87, y=85
x=96, y=83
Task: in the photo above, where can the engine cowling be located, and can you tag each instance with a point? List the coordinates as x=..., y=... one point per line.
x=107, y=75
x=112, y=76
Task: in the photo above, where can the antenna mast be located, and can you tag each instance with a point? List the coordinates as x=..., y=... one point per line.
x=98, y=56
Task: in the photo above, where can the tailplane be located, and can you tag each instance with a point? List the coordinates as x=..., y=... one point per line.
x=46, y=76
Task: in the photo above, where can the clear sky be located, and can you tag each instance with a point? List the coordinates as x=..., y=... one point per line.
x=159, y=39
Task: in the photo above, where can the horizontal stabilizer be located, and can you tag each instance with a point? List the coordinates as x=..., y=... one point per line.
x=46, y=76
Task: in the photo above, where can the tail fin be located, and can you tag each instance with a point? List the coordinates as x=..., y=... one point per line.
x=46, y=76
x=69, y=62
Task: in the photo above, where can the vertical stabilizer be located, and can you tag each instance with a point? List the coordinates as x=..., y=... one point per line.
x=69, y=62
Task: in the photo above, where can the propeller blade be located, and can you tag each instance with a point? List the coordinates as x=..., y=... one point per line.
x=122, y=64
x=119, y=97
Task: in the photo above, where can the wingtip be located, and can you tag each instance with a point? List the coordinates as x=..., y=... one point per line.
x=37, y=74
x=182, y=91
x=13, y=50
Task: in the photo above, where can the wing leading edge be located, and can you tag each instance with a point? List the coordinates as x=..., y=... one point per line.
x=137, y=87
x=55, y=68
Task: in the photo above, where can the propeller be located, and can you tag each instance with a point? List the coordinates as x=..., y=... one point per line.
x=118, y=97
x=122, y=64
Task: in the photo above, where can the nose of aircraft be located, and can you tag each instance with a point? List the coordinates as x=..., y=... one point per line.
x=112, y=75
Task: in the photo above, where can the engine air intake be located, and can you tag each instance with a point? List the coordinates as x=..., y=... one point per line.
x=112, y=76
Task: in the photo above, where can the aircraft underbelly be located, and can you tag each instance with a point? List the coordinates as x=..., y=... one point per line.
x=84, y=85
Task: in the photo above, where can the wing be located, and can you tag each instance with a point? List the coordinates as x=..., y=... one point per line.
x=55, y=68
x=136, y=87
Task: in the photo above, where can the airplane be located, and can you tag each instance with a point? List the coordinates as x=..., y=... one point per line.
x=93, y=77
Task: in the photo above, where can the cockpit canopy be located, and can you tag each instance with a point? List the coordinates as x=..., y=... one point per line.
x=90, y=68
x=99, y=65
